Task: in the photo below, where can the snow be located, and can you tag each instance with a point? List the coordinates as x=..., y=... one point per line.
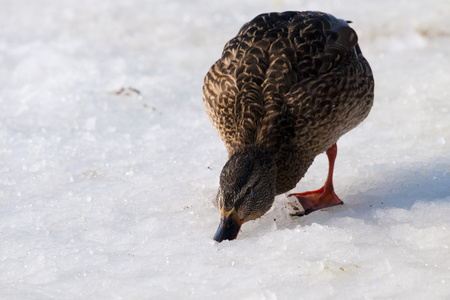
x=108, y=163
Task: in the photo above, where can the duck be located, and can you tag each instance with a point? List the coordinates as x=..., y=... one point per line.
x=284, y=90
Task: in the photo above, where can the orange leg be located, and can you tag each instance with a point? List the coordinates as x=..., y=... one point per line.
x=325, y=196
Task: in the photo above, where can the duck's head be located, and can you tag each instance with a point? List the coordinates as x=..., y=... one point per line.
x=247, y=190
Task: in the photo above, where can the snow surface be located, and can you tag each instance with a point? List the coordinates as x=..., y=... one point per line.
x=108, y=163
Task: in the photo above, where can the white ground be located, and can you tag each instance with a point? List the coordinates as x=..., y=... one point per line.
x=108, y=163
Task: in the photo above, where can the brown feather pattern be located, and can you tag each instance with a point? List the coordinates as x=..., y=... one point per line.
x=291, y=83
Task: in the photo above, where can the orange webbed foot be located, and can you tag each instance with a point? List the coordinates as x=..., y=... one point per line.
x=314, y=200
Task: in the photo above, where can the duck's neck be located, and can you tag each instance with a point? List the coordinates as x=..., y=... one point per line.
x=286, y=170
x=253, y=153
x=252, y=158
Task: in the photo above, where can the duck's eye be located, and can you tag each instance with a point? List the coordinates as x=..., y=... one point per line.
x=248, y=191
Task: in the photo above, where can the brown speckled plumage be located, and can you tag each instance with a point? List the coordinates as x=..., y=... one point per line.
x=291, y=83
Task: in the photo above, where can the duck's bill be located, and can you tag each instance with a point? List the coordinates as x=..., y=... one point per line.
x=229, y=226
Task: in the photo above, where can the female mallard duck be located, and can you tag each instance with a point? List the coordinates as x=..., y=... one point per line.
x=286, y=88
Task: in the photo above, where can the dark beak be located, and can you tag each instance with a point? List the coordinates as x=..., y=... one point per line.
x=229, y=226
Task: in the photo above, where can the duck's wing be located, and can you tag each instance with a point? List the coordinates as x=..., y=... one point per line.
x=239, y=88
x=219, y=97
x=326, y=105
x=318, y=85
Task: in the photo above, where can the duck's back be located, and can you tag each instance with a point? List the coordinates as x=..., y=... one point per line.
x=292, y=83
